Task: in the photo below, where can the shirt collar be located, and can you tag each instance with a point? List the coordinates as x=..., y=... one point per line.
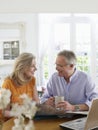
x=73, y=75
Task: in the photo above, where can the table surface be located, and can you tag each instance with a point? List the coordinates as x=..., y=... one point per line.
x=42, y=124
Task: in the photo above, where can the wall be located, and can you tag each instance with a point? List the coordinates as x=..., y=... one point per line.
x=30, y=22
x=16, y=7
x=31, y=35
x=28, y=6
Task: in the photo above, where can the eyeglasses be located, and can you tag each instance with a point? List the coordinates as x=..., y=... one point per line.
x=61, y=65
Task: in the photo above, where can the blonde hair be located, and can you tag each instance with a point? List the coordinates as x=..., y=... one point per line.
x=69, y=56
x=22, y=62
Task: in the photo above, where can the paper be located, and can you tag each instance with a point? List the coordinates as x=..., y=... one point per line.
x=78, y=112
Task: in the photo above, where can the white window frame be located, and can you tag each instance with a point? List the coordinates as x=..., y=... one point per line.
x=19, y=26
x=73, y=20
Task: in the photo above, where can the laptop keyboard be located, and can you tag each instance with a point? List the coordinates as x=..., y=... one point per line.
x=75, y=124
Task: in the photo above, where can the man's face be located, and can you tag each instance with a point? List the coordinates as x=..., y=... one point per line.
x=62, y=66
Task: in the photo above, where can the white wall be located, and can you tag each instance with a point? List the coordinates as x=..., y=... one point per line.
x=16, y=7
x=27, y=6
x=31, y=27
x=31, y=35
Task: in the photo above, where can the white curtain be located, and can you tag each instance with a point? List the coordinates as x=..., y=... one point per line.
x=46, y=47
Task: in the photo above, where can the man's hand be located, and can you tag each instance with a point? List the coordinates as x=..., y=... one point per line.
x=50, y=101
x=65, y=106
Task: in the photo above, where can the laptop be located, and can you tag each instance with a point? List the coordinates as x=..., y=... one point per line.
x=86, y=123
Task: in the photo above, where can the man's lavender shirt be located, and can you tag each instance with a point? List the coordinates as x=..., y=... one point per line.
x=79, y=90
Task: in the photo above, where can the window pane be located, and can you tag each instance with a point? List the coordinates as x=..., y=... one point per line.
x=83, y=47
x=62, y=36
x=97, y=50
x=10, y=50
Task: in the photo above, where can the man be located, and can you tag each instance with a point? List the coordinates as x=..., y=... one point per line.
x=76, y=86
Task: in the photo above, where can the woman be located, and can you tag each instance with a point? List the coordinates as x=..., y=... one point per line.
x=22, y=79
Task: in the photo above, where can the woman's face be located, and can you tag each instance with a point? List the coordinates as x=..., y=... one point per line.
x=29, y=72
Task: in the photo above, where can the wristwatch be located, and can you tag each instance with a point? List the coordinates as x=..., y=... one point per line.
x=77, y=108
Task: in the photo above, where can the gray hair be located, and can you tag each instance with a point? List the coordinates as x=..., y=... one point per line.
x=69, y=56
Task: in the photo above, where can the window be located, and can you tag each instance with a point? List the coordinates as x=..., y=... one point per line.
x=83, y=48
x=11, y=41
x=10, y=49
x=77, y=32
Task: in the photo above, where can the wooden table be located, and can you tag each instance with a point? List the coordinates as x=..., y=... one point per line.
x=42, y=124
x=49, y=124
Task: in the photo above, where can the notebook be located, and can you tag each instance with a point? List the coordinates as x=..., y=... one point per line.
x=87, y=123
